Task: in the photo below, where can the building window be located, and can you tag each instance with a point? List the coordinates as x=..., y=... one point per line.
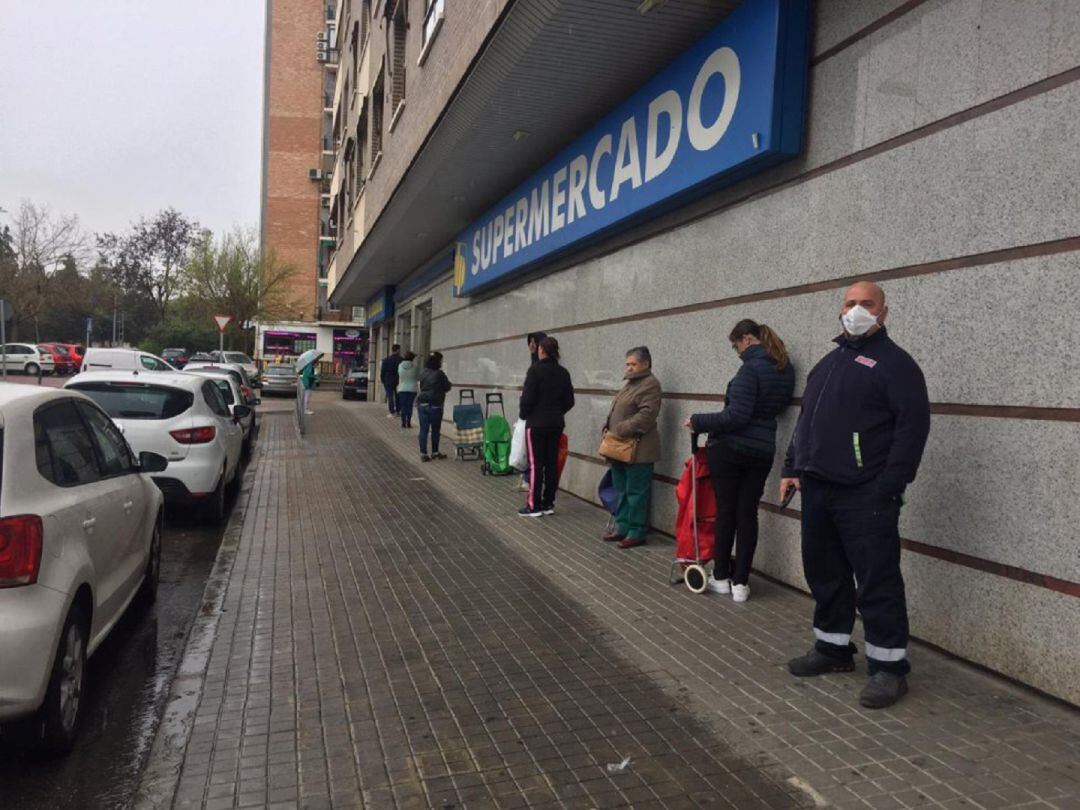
x=357, y=314
x=354, y=46
x=433, y=15
x=397, y=63
x=365, y=17
x=378, y=101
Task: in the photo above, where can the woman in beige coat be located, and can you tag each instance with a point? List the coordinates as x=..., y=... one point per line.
x=633, y=415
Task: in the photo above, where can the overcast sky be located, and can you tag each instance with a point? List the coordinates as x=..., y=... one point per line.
x=115, y=109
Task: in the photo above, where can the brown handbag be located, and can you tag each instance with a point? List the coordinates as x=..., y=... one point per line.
x=615, y=449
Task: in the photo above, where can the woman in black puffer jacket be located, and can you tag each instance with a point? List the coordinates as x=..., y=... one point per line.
x=741, y=446
x=546, y=397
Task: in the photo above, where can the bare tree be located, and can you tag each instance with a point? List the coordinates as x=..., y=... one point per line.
x=39, y=242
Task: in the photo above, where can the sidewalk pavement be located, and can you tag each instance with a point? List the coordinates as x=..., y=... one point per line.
x=383, y=633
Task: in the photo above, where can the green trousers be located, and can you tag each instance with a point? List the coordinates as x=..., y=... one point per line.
x=634, y=484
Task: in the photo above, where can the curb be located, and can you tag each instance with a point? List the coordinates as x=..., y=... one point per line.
x=161, y=775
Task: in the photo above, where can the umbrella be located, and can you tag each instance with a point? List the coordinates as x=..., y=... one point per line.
x=308, y=358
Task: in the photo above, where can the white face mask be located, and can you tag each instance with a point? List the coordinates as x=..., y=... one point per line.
x=858, y=321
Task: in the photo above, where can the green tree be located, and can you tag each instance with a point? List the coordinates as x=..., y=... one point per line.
x=231, y=277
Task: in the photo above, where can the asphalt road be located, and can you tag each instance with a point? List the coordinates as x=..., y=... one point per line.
x=129, y=680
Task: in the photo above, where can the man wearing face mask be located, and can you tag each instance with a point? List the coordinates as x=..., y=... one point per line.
x=857, y=445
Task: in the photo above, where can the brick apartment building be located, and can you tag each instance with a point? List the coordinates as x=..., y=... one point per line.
x=300, y=75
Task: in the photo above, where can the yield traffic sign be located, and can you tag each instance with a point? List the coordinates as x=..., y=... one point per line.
x=222, y=321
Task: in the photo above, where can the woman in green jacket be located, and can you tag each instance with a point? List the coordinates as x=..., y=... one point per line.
x=406, y=387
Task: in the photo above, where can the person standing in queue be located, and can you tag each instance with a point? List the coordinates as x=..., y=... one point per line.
x=388, y=376
x=533, y=340
x=634, y=412
x=548, y=394
x=741, y=446
x=857, y=445
x=406, y=388
x=433, y=385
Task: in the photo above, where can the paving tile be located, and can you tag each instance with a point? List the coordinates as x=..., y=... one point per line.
x=394, y=636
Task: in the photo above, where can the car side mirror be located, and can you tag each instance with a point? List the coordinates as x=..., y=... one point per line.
x=152, y=462
x=241, y=412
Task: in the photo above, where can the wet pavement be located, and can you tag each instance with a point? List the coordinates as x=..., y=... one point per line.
x=382, y=633
x=130, y=676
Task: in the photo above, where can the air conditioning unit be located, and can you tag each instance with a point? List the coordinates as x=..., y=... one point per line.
x=322, y=46
x=314, y=174
x=322, y=56
x=326, y=201
x=322, y=36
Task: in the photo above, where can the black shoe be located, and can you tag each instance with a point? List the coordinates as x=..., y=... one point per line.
x=883, y=690
x=816, y=662
x=438, y=455
x=525, y=511
x=425, y=458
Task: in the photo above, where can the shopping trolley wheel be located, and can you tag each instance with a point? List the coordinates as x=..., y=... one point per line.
x=695, y=577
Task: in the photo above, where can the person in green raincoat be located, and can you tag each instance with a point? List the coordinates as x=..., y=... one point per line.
x=308, y=380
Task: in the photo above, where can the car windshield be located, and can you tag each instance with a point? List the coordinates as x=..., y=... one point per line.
x=238, y=357
x=137, y=400
x=280, y=371
x=61, y=350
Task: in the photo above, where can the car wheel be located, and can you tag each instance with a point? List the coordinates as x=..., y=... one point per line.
x=32, y=369
x=214, y=511
x=152, y=577
x=57, y=721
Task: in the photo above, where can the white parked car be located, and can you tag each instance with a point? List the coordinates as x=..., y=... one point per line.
x=233, y=369
x=183, y=417
x=80, y=537
x=235, y=394
x=123, y=360
x=27, y=358
x=250, y=367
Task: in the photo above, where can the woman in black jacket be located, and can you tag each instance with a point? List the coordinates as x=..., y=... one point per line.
x=546, y=397
x=741, y=446
x=433, y=385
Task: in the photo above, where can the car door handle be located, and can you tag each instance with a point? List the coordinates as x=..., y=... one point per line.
x=89, y=524
x=128, y=505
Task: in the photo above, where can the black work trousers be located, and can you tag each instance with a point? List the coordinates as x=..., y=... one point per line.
x=851, y=556
x=738, y=480
x=543, y=447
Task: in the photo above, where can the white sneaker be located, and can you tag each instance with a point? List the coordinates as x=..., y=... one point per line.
x=719, y=585
x=740, y=593
x=310, y=413
x=391, y=416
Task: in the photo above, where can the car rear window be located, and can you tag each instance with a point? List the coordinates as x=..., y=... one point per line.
x=138, y=400
x=237, y=357
x=280, y=371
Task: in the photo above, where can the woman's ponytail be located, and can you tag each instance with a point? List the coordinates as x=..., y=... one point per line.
x=774, y=346
x=768, y=338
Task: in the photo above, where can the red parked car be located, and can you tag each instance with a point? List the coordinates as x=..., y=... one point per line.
x=63, y=362
x=76, y=352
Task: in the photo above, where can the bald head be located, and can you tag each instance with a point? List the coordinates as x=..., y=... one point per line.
x=869, y=296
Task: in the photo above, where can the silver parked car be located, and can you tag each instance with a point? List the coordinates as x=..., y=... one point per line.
x=80, y=537
x=279, y=378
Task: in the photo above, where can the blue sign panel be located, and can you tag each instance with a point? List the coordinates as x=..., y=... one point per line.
x=729, y=106
x=381, y=306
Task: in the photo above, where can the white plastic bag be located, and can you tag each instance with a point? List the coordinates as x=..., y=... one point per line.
x=519, y=452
